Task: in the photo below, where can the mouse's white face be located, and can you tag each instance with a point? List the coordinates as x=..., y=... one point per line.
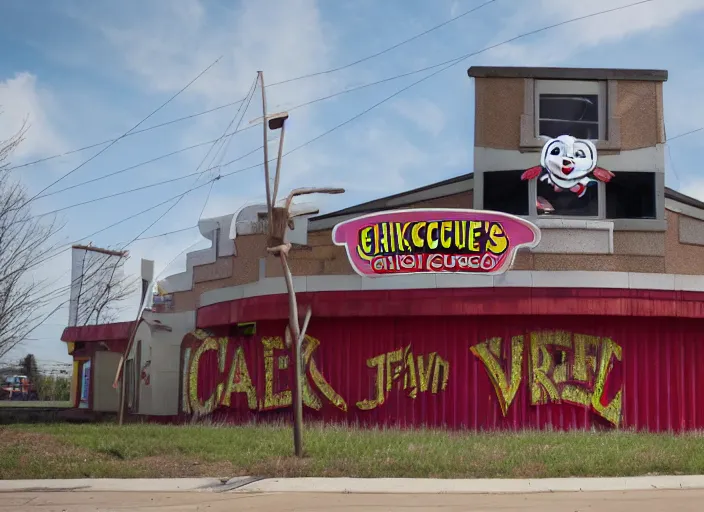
x=567, y=158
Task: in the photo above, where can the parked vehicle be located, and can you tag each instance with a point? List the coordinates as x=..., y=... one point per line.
x=18, y=387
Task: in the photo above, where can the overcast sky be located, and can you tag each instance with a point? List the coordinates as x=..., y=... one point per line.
x=83, y=71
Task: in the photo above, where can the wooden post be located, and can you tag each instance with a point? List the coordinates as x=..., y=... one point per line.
x=278, y=163
x=279, y=220
x=266, y=144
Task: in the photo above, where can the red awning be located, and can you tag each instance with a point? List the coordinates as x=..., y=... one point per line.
x=101, y=332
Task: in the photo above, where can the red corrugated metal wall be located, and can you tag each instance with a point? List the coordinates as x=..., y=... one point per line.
x=568, y=372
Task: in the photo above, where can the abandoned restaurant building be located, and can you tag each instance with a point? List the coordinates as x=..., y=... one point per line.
x=559, y=284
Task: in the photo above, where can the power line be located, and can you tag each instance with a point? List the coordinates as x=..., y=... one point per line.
x=174, y=96
x=179, y=197
x=117, y=194
x=332, y=70
x=160, y=157
x=305, y=104
x=382, y=52
x=225, y=145
x=159, y=183
x=136, y=132
x=690, y=132
x=167, y=233
x=196, y=181
x=447, y=64
x=363, y=86
x=141, y=164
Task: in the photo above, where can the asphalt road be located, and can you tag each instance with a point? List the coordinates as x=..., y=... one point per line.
x=642, y=501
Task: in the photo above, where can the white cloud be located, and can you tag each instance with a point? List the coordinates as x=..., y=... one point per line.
x=424, y=114
x=557, y=44
x=21, y=99
x=168, y=49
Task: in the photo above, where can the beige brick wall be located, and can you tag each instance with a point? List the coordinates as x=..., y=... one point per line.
x=499, y=103
x=635, y=251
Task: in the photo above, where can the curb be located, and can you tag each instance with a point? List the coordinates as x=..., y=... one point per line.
x=476, y=486
x=357, y=485
x=113, y=484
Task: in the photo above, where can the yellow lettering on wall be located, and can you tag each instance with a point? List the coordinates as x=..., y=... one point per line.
x=393, y=369
x=273, y=400
x=584, y=359
x=378, y=363
x=208, y=343
x=239, y=381
x=222, y=355
x=424, y=370
x=542, y=388
x=308, y=347
x=391, y=366
x=561, y=344
x=612, y=410
x=583, y=370
x=185, y=405
x=562, y=368
x=489, y=353
x=310, y=399
x=409, y=377
x=442, y=367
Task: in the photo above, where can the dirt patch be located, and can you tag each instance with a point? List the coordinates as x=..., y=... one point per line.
x=533, y=469
x=171, y=467
x=38, y=445
x=285, y=467
x=24, y=452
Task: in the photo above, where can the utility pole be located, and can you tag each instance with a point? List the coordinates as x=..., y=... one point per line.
x=279, y=219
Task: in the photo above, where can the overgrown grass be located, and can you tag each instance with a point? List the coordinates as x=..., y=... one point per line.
x=103, y=450
x=33, y=403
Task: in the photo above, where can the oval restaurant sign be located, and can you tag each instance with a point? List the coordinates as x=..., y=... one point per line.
x=434, y=240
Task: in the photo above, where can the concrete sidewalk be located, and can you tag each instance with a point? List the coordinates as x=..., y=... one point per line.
x=359, y=485
x=641, y=501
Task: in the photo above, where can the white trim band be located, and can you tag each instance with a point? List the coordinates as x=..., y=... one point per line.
x=513, y=279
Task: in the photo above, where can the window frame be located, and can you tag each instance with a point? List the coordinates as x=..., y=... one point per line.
x=657, y=224
x=529, y=140
x=592, y=88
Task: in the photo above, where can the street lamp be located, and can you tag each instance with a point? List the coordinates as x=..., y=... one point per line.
x=280, y=219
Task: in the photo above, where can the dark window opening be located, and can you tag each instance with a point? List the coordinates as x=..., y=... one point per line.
x=504, y=191
x=631, y=195
x=569, y=114
x=566, y=203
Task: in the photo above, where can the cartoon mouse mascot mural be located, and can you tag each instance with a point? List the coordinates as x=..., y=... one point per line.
x=568, y=164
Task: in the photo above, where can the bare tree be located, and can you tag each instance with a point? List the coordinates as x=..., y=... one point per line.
x=25, y=242
x=103, y=287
